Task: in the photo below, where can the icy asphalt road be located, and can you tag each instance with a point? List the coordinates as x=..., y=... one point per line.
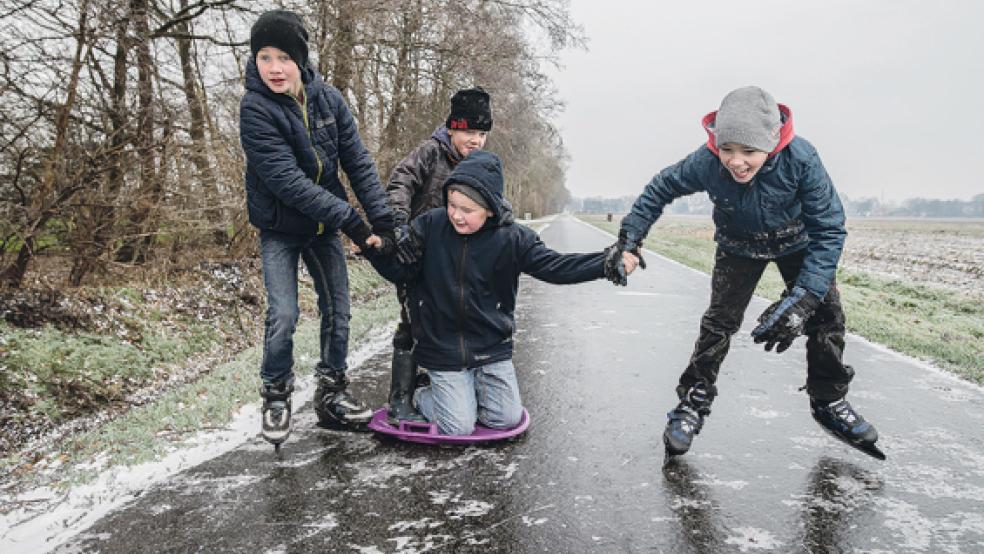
x=597, y=368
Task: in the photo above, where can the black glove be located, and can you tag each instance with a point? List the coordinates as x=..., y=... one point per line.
x=388, y=242
x=407, y=247
x=358, y=232
x=784, y=320
x=614, y=266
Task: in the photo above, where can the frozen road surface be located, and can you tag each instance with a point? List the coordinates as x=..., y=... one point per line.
x=597, y=367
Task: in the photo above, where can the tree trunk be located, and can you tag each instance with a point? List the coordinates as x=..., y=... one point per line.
x=48, y=197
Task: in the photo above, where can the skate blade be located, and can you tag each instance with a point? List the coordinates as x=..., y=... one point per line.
x=869, y=449
x=351, y=426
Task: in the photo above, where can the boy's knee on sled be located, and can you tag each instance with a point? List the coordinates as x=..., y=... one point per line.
x=456, y=424
x=501, y=419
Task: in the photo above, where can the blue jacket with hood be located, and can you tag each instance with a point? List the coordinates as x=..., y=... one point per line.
x=293, y=152
x=462, y=304
x=790, y=205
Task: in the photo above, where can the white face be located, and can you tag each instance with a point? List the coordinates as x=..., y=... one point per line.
x=743, y=162
x=278, y=71
x=465, y=214
x=466, y=141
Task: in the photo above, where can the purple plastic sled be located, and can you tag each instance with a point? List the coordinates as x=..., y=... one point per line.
x=428, y=433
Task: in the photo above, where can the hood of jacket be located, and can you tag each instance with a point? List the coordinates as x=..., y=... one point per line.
x=444, y=139
x=482, y=171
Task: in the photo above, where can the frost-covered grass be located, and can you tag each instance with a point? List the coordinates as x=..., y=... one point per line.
x=941, y=325
x=190, y=377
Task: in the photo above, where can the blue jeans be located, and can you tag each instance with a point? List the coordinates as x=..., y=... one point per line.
x=324, y=258
x=456, y=399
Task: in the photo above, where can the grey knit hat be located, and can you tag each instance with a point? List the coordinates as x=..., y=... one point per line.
x=470, y=192
x=748, y=116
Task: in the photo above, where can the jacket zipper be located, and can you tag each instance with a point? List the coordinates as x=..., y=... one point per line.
x=307, y=126
x=461, y=304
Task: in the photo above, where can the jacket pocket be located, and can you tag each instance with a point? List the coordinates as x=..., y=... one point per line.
x=289, y=220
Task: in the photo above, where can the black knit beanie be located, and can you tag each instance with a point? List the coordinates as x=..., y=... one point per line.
x=470, y=109
x=281, y=29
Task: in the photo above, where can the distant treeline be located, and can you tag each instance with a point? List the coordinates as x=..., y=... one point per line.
x=861, y=207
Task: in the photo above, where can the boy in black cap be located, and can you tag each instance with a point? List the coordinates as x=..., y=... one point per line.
x=773, y=201
x=416, y=187
x=463, y=262
x=295, y=131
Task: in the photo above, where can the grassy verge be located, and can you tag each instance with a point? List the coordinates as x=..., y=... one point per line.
x=937, y=325
x=146, y=432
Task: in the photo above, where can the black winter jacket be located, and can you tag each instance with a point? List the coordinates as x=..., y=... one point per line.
x=463, y=298
x=417, y=182
x=292, y=160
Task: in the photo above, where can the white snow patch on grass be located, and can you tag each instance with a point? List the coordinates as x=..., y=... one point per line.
x=47, y=517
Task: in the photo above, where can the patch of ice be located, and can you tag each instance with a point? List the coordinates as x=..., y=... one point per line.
x=470, y=508
x=750, y=538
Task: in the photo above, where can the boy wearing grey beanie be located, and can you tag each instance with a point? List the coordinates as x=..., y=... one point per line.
x=773, y=202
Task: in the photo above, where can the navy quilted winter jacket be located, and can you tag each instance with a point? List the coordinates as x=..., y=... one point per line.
x=292, y=161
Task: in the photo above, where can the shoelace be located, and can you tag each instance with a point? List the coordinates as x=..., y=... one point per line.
x=842, y=411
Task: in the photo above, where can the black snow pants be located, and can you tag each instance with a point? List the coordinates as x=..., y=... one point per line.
x=732, y=285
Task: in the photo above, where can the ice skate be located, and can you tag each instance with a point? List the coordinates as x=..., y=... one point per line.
x=686, y=421
x=840, y=420
x=335, y=406
x=276, y=412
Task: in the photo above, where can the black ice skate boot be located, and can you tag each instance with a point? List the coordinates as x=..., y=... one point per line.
x=402, y=386
x=686, y=420
x=333, y=403
x=840, y=420
x=276, y=411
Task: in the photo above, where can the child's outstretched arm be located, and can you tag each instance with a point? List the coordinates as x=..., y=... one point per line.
x=680, y=179
x=561, y=269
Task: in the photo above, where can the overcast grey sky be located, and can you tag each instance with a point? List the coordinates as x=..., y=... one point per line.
x=891, y=92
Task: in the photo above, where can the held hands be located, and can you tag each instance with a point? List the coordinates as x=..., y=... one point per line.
x=784, y=320
x=407, y=247
x=621, y=259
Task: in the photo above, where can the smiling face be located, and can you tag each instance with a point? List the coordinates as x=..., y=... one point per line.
x=466, y=141
x=741, y=161
x=278, y=71
x=465, y=214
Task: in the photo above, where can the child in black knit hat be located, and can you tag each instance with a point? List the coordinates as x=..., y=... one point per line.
x=415, y=187
x=296, y=131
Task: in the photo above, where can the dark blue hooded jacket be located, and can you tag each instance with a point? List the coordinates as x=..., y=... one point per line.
x=790, y=205
x=292, y=160
x=463, y=297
